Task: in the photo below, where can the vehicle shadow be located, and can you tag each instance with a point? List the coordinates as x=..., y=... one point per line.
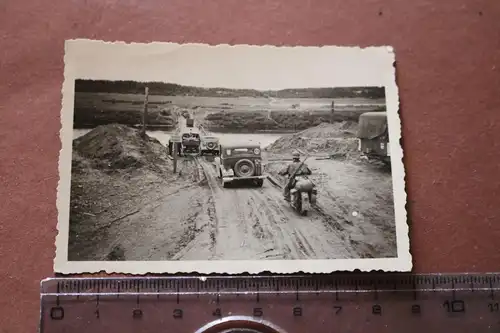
x=241, y=184
x=209, y=158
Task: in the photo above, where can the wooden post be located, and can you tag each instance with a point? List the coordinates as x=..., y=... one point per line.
x=145, y=113
x=332, y=112
x=175, y=152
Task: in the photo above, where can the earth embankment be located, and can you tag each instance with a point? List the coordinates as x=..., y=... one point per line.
x=279, y=121
x=337, y=139
x=354, y=195
x=114, y=170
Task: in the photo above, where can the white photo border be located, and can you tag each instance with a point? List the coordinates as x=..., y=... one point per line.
x=279, y=67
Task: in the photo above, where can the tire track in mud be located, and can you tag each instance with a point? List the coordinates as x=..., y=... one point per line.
x=159, y=231
x=265, y=229
x=210, y=203
x=261, y=231
x=266, y=233
x=334, y=226
x=188, y=235
x=289, y=219
x=227, y=241
x=345, y=228
x=312, y=232
x=256, y=223
x=211, y=207
x=203, y=236
x=213, y=222
x=193, y=243
x=286, y=244
x=240, y=223
x=166, y=228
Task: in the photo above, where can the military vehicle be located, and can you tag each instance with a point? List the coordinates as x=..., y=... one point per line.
x=373, y=136
x=240, y=163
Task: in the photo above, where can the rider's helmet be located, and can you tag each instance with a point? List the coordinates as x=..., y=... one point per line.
x=296, y=156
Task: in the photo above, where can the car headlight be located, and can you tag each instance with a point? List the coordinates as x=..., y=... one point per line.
x=256, y=151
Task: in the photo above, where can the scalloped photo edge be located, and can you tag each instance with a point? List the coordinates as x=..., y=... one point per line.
x=143, y=228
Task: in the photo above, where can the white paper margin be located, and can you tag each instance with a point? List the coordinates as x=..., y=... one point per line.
x=231, y=66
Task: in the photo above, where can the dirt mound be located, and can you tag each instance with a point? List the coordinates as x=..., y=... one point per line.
x=327, y=130
x=338, y=139
x=116, y=147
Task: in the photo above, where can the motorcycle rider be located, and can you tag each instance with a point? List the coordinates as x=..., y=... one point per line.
x=290, y=170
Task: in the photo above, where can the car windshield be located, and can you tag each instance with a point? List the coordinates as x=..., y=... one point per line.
x=190, y=135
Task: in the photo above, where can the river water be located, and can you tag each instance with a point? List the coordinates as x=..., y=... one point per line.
x=225, y=138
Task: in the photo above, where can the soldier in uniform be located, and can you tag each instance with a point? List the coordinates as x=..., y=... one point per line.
x=290, y=170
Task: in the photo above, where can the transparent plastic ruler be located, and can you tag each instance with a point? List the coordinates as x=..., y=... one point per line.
x=291, y=304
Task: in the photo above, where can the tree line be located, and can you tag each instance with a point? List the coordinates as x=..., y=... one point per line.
x=172, y=89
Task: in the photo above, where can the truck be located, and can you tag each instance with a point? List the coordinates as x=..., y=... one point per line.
x=190, y=142
x=209, y=145
x=190, y=122
x=373, y=136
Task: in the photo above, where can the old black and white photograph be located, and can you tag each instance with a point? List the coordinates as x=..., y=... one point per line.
x=229, y=159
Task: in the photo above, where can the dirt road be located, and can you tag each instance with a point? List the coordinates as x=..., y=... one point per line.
x=203, y=221
x=150, y=215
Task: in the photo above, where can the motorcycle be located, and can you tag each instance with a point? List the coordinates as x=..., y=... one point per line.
x=303, y=195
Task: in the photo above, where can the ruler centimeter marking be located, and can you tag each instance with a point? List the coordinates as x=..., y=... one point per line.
x=223, y=285
x=357, y=295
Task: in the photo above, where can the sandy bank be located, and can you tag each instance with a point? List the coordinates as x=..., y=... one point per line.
x=337, y=139
x=114, y=171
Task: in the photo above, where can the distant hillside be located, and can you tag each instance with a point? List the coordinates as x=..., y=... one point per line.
x=339, y=92
x=170, y=89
